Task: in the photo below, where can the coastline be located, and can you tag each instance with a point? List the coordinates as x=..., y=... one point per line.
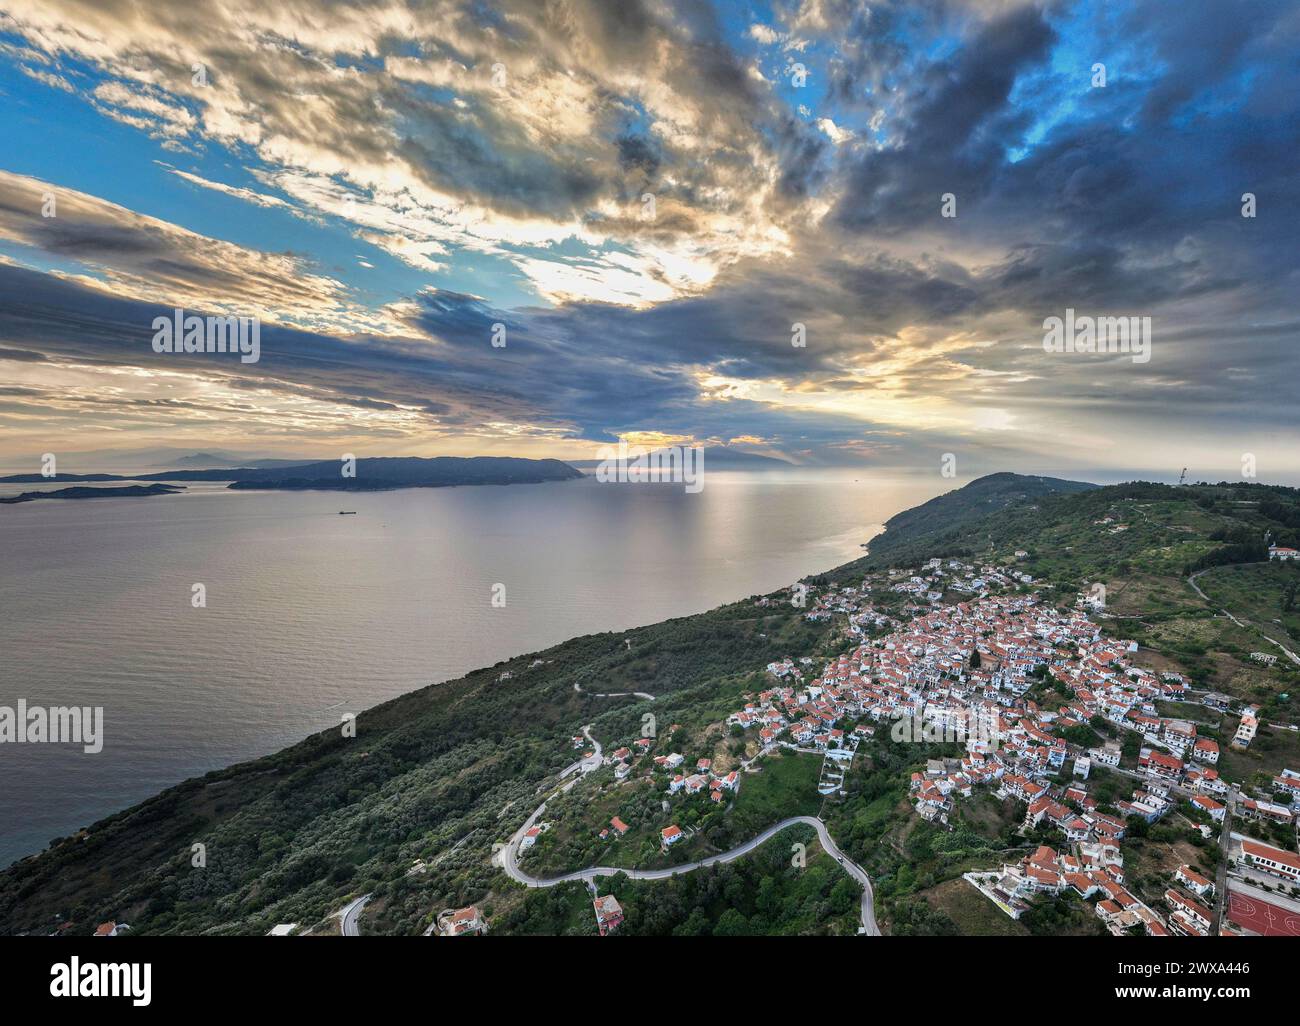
x=834, y=555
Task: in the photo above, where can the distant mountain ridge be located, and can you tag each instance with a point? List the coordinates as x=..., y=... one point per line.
x=713, y=456
x=722, y=455
x=372, y=474
x=384, y=472
x=208, y=461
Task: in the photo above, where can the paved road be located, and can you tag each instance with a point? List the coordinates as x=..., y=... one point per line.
x=509, y=862
x=1146, y=778
x=592, y=762
x=352, y=913
x=612, y=694
x=1248, y=626
x=1221, y=876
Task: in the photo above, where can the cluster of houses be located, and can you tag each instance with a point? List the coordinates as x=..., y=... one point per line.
x=705, y=778
x=806, y=716
x=927, y=672
x=938, y=576
x=964, y=671
x=849, y=601
x=1047, y=871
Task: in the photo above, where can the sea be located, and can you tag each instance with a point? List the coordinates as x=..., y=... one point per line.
x=307, y=614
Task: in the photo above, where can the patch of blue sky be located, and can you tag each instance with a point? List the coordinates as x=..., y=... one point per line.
x=1231, y=96
x=738, y=20
x=81, y=149
x=443, y=96
x=1063, y=92
x=636, y=120
x=39, y=259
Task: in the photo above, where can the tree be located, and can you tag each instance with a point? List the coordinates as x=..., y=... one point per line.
x=696, y=926
x=731, y=924
x=975, y=659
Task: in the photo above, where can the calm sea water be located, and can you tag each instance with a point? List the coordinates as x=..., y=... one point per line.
x=310, y=614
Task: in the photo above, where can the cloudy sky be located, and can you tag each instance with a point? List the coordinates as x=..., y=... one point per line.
x=649, y=196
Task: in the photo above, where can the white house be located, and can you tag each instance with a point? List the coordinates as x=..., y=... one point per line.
x=1194, y=881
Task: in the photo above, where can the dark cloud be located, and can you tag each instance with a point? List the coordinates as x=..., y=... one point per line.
x=921, y=330
x=952, y=132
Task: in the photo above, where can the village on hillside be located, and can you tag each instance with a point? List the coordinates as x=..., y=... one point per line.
x=962, y=672
x=967, y=671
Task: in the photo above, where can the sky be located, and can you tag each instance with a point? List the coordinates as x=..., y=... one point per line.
x=656, y=201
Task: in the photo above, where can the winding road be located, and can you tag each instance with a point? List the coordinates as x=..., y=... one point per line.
x=1248, y=626
x=352, y=913
x=509, y=855
x=592, y=762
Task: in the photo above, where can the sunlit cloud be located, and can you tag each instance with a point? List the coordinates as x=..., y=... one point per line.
x=649, y=202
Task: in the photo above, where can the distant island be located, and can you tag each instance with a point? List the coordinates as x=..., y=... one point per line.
x=371, y=474
x=78, y=492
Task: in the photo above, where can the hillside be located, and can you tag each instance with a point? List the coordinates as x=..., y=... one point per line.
x=429, y=775
x=445, y=774
x=941, y=525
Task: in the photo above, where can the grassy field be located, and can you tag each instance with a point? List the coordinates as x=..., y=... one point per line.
x=1272, y=751
x=1151, y=596
x=973, y=913
x=990, y=816
x=1254, y=592
x=786, y=785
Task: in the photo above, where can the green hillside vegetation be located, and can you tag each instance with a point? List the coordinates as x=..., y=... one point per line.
x=445, y=773
x=763, y=894
x=1264, y=593
x=939, y=527
x=439, y=774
